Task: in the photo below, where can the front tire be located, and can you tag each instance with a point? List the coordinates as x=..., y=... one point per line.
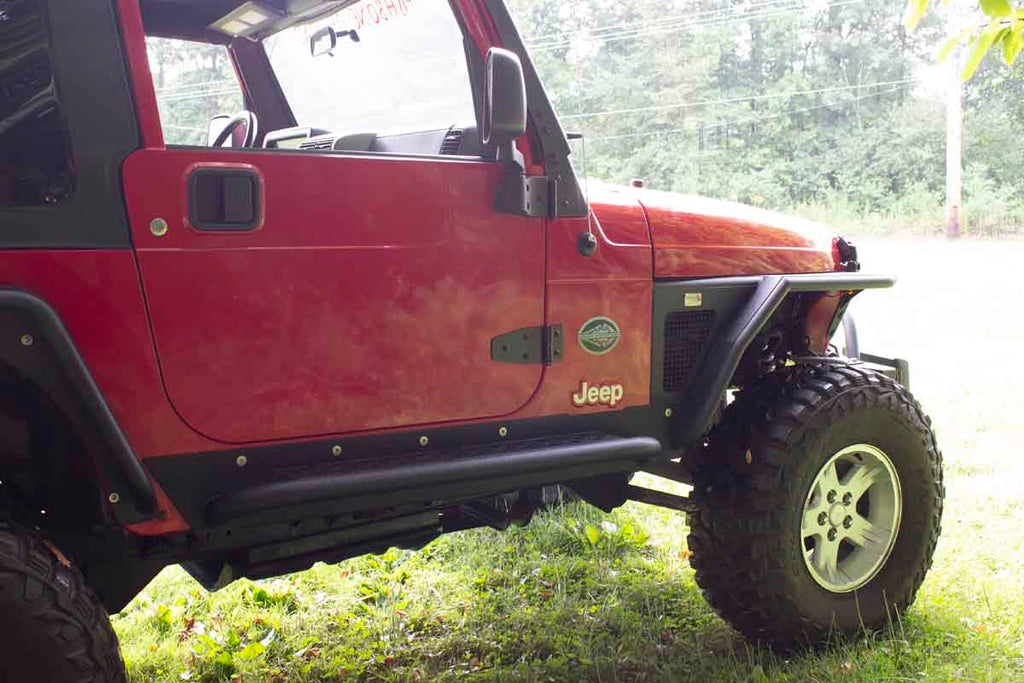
x=820, y=501
x=53, y=628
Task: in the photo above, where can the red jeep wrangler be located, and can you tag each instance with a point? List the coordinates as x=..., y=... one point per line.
x=376, y=305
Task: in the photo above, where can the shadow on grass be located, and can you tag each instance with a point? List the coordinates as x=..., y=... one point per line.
x=574, y=596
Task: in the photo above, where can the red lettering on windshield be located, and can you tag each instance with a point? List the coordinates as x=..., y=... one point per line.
x=376, y=12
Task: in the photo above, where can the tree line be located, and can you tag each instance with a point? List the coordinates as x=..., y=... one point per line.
x=830, y=108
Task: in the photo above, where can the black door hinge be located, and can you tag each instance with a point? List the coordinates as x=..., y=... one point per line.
x=529, y=345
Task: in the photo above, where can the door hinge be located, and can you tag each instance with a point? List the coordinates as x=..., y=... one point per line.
x=532, y=196
x=529, y=345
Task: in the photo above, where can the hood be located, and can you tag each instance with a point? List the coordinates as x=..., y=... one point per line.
x=700, y=237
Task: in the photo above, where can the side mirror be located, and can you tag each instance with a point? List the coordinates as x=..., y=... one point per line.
x=504, y=118
x=216, y=127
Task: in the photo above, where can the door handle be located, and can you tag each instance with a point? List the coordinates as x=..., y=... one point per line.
x=222, y=199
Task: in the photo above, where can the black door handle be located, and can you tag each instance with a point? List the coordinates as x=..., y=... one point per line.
x=225, y=199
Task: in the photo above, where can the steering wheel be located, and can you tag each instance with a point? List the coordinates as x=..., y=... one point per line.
x=242, y=118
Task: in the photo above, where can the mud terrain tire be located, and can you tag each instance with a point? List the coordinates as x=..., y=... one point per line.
x=53, y=626
x=754, y=477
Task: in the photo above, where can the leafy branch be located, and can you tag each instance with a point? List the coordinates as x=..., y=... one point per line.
x=1005, y=29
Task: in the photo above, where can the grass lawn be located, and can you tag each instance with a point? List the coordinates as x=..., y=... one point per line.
x=578, y=595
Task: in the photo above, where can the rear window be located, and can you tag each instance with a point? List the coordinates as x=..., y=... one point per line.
x=35, y=160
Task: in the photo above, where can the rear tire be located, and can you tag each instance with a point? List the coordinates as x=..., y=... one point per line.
x=759, y=491
x=53, y=627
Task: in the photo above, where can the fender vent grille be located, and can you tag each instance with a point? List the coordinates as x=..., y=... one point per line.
x=685, y=334
x=452, y=142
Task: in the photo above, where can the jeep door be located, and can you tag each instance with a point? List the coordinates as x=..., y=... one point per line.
x=349, y=271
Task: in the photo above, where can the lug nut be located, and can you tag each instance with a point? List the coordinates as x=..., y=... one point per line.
x=847, y=498
x=847, y=522
x=822, y=518
x=832, y=533
x=831, y=496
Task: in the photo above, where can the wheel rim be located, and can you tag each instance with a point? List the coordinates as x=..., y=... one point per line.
x=851, y=518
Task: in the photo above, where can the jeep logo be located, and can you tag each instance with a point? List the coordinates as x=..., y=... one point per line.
x=599, y=335
x=594, y=394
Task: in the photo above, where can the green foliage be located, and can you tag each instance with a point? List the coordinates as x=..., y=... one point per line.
x=276, y=594
x=788, y=111
x=194, y=82
x=1005, y=29
x=543, y=602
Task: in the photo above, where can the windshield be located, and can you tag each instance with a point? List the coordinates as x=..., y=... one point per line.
x=407, y=72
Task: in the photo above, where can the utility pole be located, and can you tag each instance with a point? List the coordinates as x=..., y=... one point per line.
x=954, y=147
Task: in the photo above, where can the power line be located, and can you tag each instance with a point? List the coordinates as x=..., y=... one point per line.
x=176, y=89
x=688, y=21
x=667, y=29
x=683, y=26
x=713, y=23
x=184, y=128
x=533, y=40
x=755, y=119
x=733, y=100
x=212, y=93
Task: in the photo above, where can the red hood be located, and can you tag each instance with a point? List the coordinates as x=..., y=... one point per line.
x=700, y=237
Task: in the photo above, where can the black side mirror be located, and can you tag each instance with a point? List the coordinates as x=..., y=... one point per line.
x=504, y=118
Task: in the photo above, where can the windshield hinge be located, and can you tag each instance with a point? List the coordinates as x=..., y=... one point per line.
x=532, y=196
x=529, y=345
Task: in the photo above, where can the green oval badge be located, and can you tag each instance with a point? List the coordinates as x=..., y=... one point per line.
x=599, y=335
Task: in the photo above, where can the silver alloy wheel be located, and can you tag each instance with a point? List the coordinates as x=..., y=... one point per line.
x=851, y=518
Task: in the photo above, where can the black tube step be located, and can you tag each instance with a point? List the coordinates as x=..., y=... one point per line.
x=425, y=476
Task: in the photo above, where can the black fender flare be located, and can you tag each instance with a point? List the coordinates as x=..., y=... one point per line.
x=37, y=344
x=725, y=350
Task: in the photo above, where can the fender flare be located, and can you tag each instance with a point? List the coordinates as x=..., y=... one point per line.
x=36, y=343
x=725, y=350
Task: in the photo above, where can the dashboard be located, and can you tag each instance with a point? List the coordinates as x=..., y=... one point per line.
x=451, y=141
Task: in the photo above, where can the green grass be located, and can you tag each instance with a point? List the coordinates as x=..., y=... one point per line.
x=546, y=602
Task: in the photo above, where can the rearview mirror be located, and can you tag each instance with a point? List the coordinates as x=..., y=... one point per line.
x=323, y=42
x=504, y=118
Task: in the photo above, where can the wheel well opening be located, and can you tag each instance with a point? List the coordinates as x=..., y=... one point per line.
x=47, y=479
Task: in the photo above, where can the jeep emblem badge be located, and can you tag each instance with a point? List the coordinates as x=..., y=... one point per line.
x=599, y=335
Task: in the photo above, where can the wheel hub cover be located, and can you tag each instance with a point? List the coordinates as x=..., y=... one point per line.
x=836, y=514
